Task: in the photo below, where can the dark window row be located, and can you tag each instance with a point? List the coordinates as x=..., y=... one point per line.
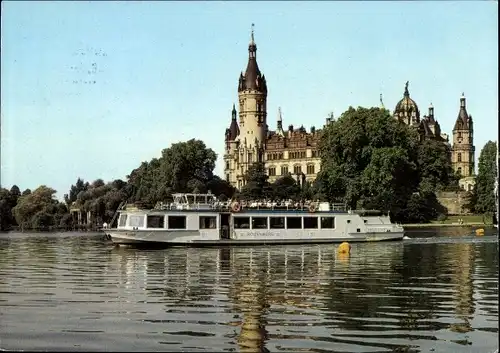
x=292, y=222
x=173, y=222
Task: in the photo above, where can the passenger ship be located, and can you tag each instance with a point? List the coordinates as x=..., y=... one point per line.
x=199, y=219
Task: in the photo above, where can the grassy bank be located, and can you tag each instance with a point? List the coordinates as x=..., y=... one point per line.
x=457, y=221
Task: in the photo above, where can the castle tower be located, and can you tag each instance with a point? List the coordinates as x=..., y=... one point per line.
x=252, y=94
x=462, y=154
x=245, y=142
x=231, y=147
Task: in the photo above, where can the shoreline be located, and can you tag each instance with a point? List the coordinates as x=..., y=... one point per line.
x=456, y=225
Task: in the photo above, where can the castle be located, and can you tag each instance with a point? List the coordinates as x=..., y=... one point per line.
x=294, y=151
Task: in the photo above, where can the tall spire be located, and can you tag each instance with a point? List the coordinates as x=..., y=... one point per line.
x=252, y=78
x=407, y=93
x=463, y=120
x=252, y=47
x=233, y=113
x=381, y=102
x=279, y=129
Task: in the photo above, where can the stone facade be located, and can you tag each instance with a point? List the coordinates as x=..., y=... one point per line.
x=455, y=202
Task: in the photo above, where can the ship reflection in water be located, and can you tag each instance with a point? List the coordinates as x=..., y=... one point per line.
x=382, y=297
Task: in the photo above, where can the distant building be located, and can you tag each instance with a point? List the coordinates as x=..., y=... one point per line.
x=294, y=151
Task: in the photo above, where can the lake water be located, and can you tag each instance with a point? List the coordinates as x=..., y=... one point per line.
x=437, y=292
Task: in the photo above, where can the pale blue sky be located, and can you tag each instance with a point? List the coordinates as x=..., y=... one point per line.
x=170, y=73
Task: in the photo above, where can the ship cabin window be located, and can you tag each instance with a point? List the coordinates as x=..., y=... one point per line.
x=241, y=222
x=155, y=221
x=310, y=222
x=136, y=221
x=277, y=222
x=294, y=222
x=208, y=222
x=259, y=222
x=327, y=222
x=176, y=222
x=122, y=221
x=348, y=221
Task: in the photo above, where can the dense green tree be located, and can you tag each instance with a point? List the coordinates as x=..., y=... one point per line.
x=363, y=154
x=34, y=210
x=485, y=180
x=5, y=210
x=79, y=186
x=183, y=167
x=370, y=160
x=257, y=185
x=434, y=166
x=285, y=187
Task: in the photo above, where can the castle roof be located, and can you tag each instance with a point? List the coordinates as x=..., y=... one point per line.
x=406, y=105
x=464, y=120
x=252, y=79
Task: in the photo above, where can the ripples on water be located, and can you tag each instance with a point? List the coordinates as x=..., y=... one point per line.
x=433, y=293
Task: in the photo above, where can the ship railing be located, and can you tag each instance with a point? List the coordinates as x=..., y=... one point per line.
x=254, y=205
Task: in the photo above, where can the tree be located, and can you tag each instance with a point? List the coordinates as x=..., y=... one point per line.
x=32, y=209
x=74, y=191
x=485, y=180
x=371, y=160
x=5, y=210
x=434, y=166
x=286, y=187
x=359, y=152
x=183, y=167
x=257, y=185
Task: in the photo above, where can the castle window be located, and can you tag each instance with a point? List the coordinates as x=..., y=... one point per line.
x=314, y=153
x=459, y=157
x=272, y=171
x=310, y=169
x=459, y=170
x=284, y=170
x=249, y=157
x=227, y=164
x=297, y=169
x=227, y=177
x=303, y=154
x=280, y=155
x=459, y=135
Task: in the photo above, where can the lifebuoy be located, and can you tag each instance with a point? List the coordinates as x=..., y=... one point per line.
x=236, y=207
x=312, y=208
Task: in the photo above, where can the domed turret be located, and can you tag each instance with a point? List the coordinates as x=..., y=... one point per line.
x=407, y=110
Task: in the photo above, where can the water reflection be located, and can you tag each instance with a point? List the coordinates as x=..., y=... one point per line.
x=80, y=293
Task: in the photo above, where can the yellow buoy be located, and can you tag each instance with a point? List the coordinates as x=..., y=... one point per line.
x=344, y=248
x=479, y=232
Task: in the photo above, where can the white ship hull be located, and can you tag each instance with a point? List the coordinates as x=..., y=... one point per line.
x=175, y=238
